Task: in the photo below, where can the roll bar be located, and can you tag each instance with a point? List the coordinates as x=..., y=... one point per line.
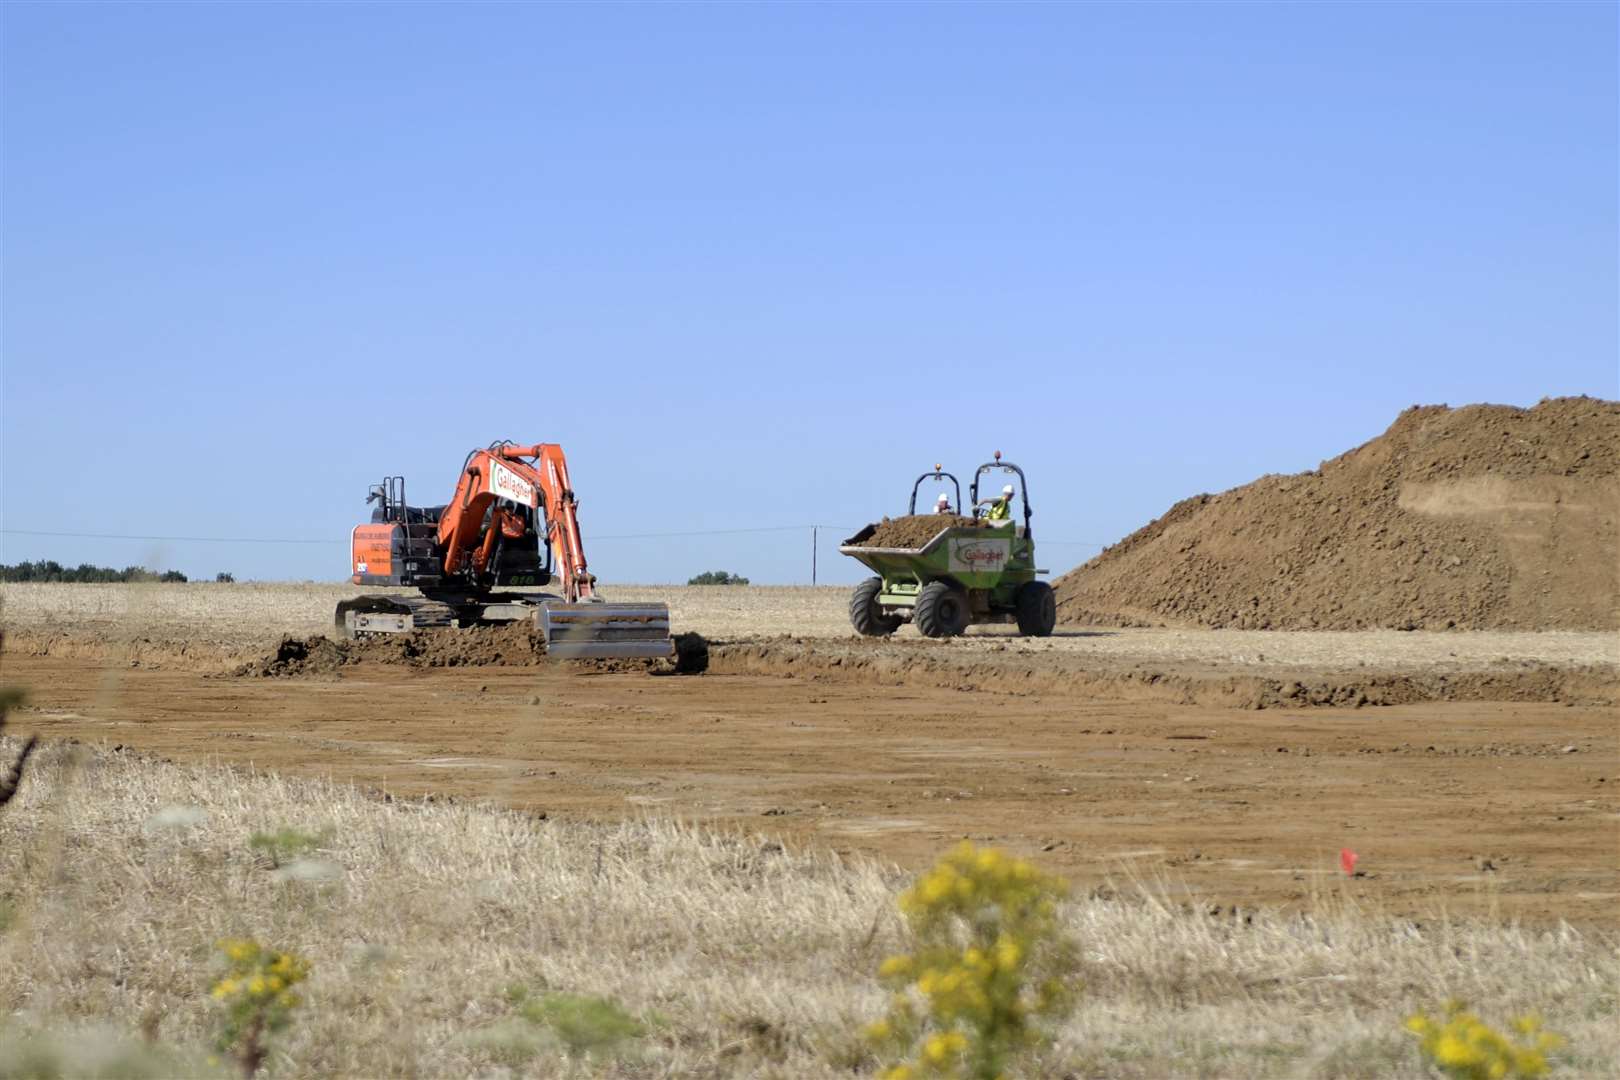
x=1023, y=488
x=939, y=477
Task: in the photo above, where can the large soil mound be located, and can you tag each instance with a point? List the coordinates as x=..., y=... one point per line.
x=1482, y=517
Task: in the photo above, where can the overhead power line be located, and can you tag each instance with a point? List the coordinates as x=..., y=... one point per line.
x=340, y=540
x=177, y=539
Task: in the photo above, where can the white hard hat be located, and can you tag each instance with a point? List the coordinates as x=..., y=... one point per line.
x=944, y=498
x=1007, y=489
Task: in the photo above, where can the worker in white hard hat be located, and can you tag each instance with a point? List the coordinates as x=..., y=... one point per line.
x=1000, y=507
x=942, y=505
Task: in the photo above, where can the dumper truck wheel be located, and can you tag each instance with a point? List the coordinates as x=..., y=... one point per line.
x=941, y=611
x=1037, y=609
x=865, y=615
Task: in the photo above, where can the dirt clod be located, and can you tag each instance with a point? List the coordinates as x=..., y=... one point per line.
x=300, y=656
x=1482, y=517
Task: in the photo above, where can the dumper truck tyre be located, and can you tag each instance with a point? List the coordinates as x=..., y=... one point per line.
x=1037, y=609
x=941, y=611
x=865, y=614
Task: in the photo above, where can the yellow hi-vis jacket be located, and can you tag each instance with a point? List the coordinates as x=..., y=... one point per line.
x=1000, y=510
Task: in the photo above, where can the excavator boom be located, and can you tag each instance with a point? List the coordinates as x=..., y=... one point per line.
x=513, y=519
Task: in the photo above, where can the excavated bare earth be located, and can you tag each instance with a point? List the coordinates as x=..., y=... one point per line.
x=1483, y=517
x=1485, y=784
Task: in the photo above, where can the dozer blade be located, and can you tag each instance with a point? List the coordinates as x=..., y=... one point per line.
x=598, y=631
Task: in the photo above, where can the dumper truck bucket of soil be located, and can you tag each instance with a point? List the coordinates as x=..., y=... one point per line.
x=909, y=546
x=600, y=631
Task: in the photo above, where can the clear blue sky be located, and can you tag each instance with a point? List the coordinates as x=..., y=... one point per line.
x=761, y=265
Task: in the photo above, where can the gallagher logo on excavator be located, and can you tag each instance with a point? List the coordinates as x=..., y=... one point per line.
x=509, y=485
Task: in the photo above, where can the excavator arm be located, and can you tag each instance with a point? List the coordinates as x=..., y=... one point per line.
x=535, y=476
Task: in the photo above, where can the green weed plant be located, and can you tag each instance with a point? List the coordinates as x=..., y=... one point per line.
x=985, y=983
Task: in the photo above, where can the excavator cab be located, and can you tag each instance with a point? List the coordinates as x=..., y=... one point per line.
x=518, y=558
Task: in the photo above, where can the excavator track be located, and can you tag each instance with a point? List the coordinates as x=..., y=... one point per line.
x=392, y=615
x=605, y=631
x=593, y=630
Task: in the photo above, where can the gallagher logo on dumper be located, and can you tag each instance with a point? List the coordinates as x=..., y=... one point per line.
x=981, y=554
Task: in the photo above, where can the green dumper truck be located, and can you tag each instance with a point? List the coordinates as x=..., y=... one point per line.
x=969, y=572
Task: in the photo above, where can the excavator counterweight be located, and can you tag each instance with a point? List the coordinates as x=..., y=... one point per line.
x=512, y=521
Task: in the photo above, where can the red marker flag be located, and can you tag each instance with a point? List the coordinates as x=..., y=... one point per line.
x=1347, y=860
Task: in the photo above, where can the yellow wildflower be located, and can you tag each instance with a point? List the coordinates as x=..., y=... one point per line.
x=985, y=977
x=239, y=951
x=936, y=887
x=894, y=966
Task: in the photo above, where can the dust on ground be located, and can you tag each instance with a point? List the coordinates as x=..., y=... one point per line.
x=1480, y=517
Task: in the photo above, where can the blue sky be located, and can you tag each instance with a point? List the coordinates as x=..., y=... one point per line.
x=758, y=266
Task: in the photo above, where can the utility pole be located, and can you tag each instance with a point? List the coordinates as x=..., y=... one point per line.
x=815, y=544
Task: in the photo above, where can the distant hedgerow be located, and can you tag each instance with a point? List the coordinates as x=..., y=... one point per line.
x=51, y=571
x=718, y=577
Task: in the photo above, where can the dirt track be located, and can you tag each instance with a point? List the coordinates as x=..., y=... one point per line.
x=1463, y=808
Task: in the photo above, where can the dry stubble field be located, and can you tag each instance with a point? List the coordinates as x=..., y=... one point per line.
x=1134, y=762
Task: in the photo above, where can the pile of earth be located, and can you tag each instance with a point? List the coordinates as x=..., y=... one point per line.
x=1481, y=517
x=513, y=645
x=914, y=530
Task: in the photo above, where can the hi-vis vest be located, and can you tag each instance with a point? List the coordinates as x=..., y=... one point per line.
x=1000, y=510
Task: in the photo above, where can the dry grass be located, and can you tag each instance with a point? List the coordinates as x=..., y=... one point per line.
x=742, y=959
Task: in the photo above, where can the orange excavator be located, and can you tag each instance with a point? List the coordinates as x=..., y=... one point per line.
x=512, y=522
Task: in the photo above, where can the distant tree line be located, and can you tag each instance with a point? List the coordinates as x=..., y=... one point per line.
x=51, y=570
x=718, y=577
